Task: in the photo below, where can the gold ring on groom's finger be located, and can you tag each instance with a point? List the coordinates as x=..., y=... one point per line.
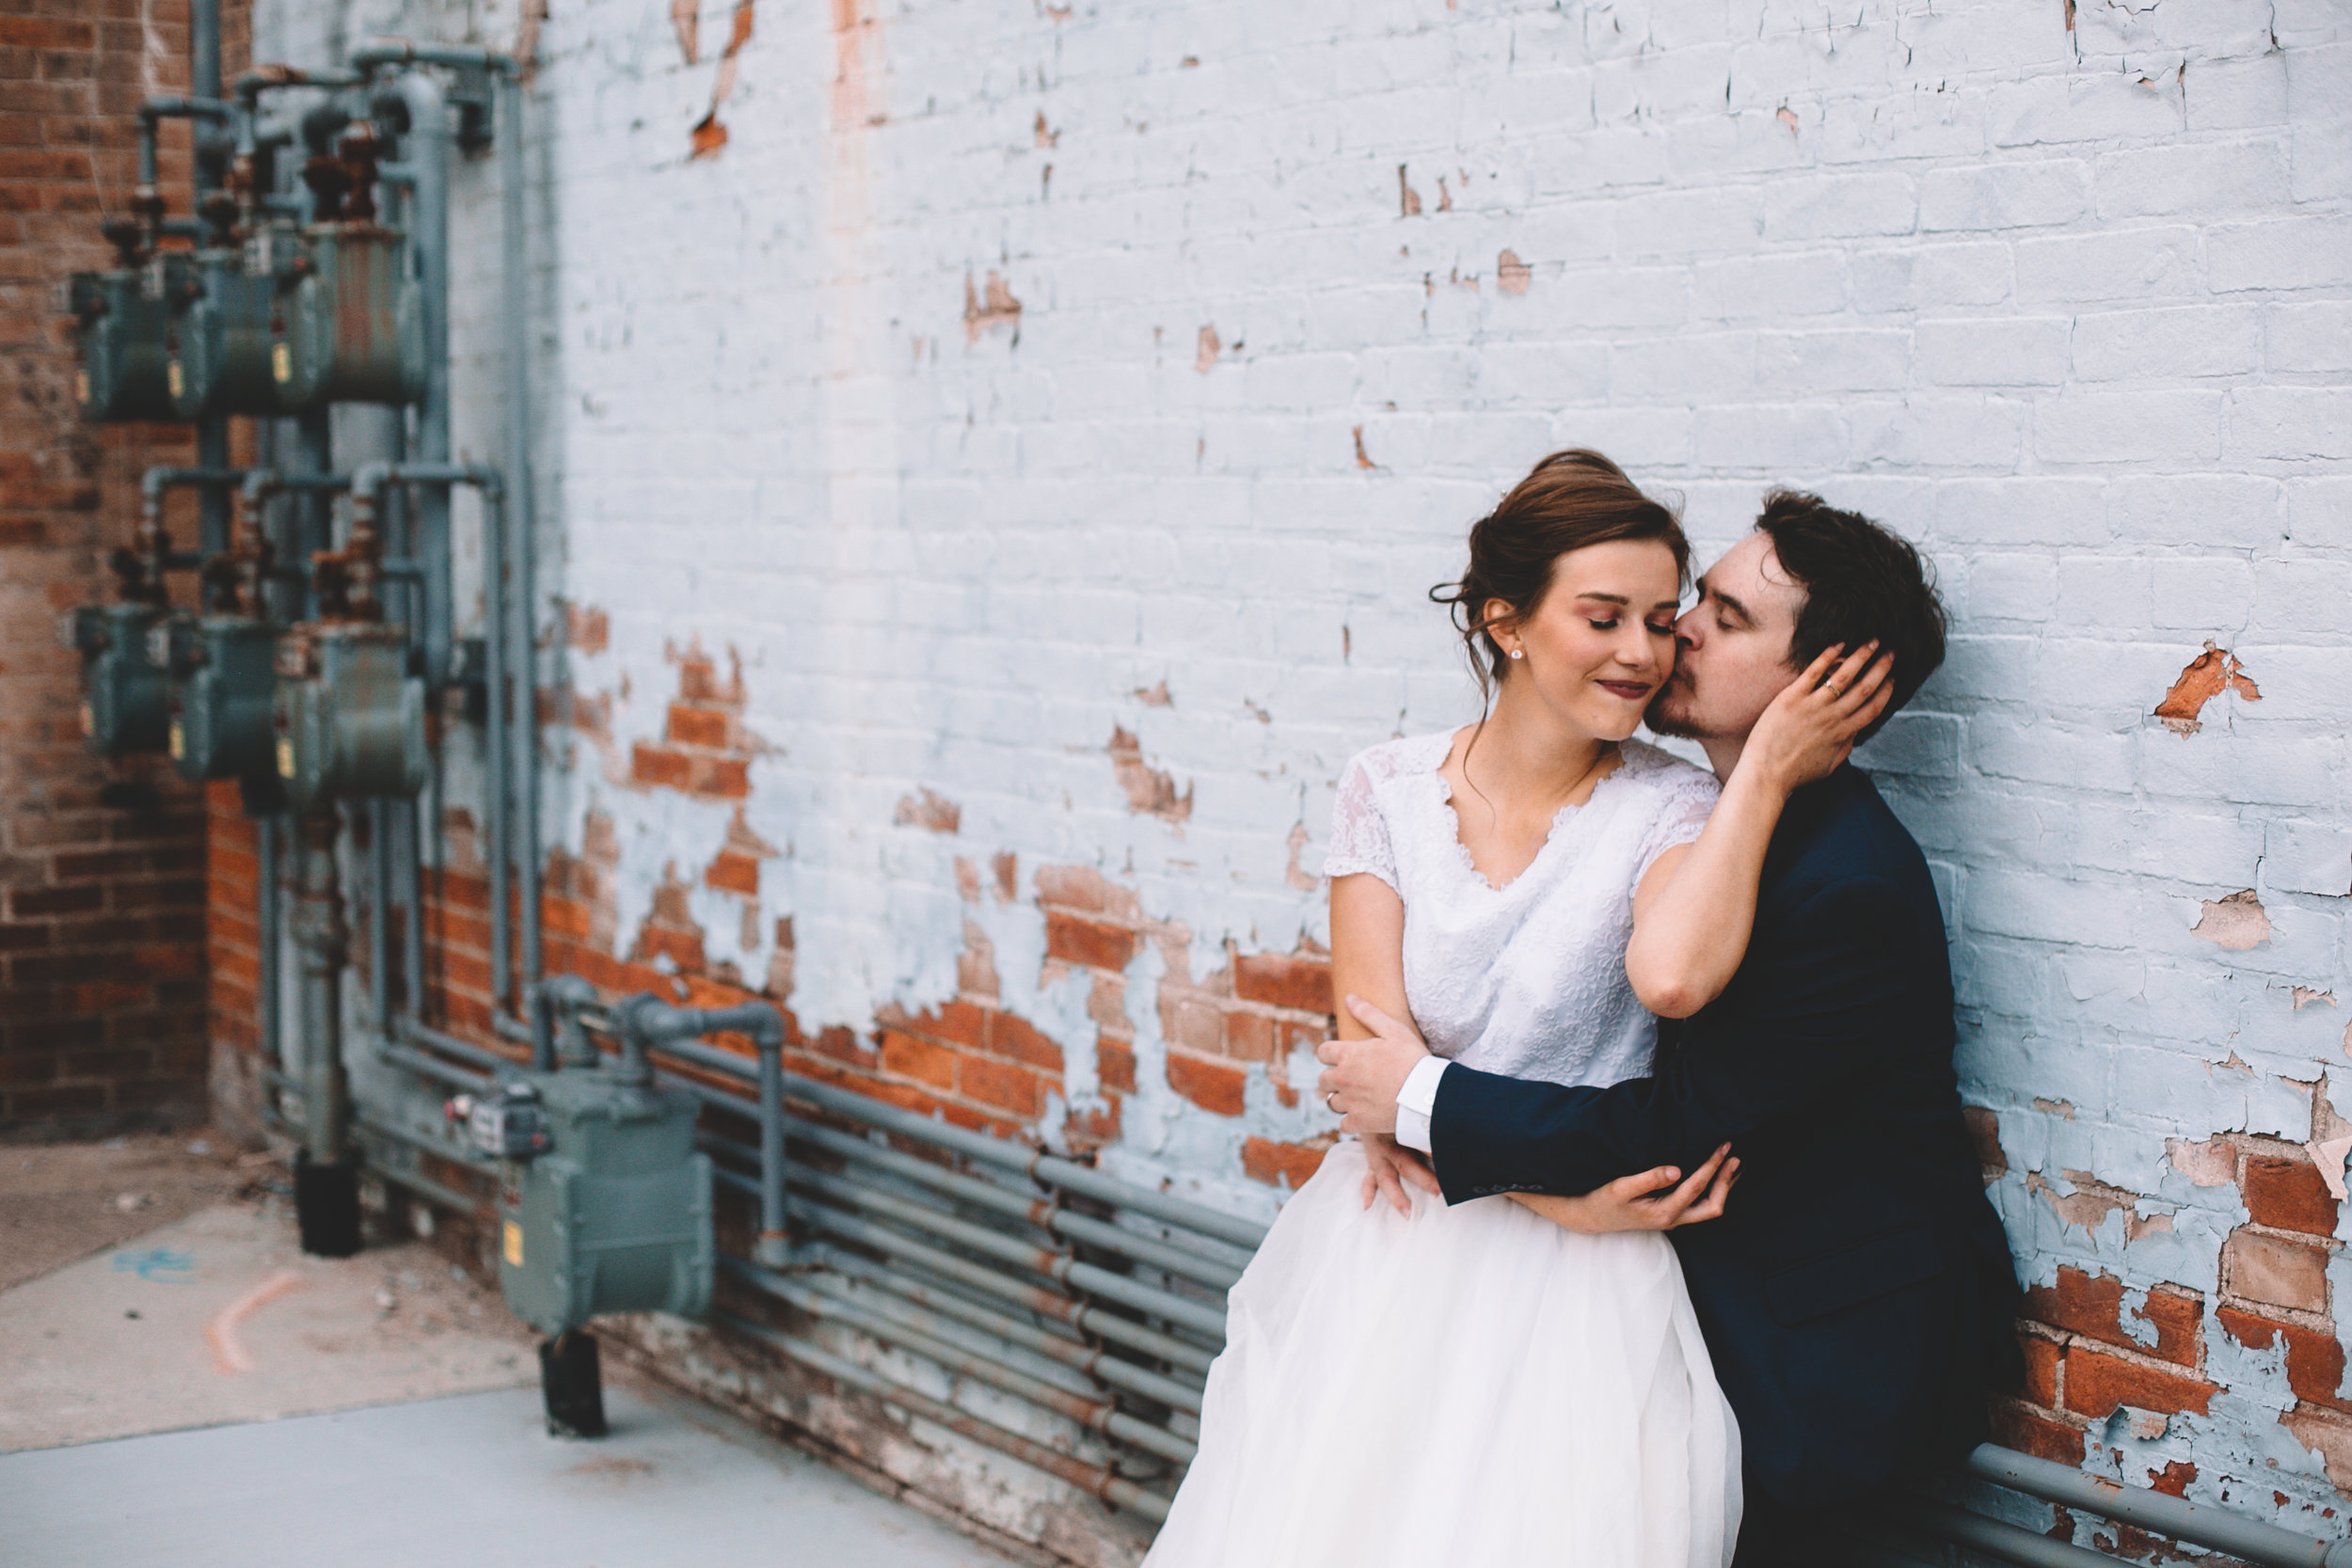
x=1835, y=690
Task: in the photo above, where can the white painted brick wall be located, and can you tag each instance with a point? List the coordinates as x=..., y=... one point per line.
x=2069, y=308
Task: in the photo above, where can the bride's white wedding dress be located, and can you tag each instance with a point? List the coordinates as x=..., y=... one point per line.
x=1474, y=1387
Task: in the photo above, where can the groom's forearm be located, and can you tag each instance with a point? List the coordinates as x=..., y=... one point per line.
x=1492, y=1135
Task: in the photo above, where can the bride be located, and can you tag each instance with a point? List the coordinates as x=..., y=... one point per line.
x=1516, y=1380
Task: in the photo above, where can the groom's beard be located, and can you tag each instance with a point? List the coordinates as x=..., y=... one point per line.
x=1670, y=710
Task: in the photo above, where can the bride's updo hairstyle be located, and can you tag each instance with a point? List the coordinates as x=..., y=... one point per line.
x=1569, y=501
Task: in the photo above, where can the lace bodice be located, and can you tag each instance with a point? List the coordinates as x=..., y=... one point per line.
x=1528, y=979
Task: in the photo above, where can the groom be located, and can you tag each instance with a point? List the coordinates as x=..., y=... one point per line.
x=1857, y=1294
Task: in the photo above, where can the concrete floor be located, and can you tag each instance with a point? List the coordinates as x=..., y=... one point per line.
x=470, y=1479
x=205, y=1393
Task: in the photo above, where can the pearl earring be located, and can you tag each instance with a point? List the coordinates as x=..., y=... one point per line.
x=1519, y=653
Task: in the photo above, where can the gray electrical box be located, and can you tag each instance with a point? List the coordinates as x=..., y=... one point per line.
x=122, y=321
x=223, y=688
x=221, y=339
x=353, y=330
x=615, y=1216
x=126, y=699
x=349, y=718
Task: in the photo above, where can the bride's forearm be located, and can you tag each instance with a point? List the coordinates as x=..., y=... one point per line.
x=1695, y=912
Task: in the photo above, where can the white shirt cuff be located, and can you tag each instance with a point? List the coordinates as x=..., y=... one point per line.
x=1417, y=1100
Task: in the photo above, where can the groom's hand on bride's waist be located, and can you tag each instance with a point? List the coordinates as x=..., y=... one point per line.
x=1361, y=1078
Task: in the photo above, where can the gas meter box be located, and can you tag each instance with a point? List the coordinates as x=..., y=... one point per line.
x=221, y=340
x=615, y=1217
x=349, y=719
x=354, y=326
x=222, y=700
x=122, y=321
x=126, y=700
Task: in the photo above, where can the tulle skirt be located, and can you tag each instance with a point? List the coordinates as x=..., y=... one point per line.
x=1472, y=1387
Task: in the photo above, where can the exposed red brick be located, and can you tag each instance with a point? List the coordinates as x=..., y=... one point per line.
x=2042, y=1371
x=1280, y=1164
x=2091, y=1305
x=923, y=1060
x=1003, y=1085
x=931, y=813
x=2288, y=1195
x=1090, y=944
x=731, y=871
x=1016, y=1038
x=1115, y=1065
x=1214, y=1085
x=1282, y=981
x=1249, y=1037
x=697, y=726
x=2174, y=1479
x=2097, y=1382
x=2036, y=1432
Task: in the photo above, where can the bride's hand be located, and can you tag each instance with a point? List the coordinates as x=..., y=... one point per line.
x=1644, y=1202
x=1812, y=725
x=1388, y=1166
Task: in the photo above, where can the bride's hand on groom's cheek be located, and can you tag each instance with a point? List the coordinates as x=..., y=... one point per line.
x=1660, y=1200
x=1812, y=726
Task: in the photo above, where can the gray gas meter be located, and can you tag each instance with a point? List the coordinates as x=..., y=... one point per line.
x=615, y=1215
x=354, y=325
x=349, y=718
x=126, y=699
x=224, y=685
x=221, y=339
x=120, y=320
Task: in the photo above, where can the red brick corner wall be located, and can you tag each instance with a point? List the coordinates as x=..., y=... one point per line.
x=101, y=893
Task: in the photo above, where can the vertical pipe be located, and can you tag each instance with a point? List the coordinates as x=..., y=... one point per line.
x=380, y=914
x=426, y=150
x=273, y=1035
x=409, y=814
x=521, y=519
x=770, y=1248
x=495, y=752
x=315, y=509
x=322, y=941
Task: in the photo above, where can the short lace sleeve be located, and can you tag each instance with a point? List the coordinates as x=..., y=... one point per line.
x=1360, y=834
x=1685, y=796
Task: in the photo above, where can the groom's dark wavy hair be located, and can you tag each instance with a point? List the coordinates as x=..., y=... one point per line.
x=1569, y=501
x=1861, y=580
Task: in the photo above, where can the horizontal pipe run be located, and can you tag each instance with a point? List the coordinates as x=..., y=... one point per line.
x=1057, y=1266
x=428, y=1145
x=1039, y=1212
x=412, y=1033
x=1083, y=1179
x=2223, y=1529
x=1090, y=1359
x=1083, y=1316
x=877, y=1320
x=1079, y=1179
x=216, y=109
x=434, y=1068
x=395, y=52
x=448, y=1198
x=2008, y=1541
x=1094, y=1479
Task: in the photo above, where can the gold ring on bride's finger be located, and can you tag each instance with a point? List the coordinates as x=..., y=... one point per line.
x=1326, y=1102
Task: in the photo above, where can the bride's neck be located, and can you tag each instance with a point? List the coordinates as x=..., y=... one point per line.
x=1528, y=752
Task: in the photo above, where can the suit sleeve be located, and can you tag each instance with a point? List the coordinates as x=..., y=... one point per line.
x=1823, y=1005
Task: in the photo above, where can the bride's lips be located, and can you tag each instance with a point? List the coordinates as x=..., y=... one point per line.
x=1632, y=692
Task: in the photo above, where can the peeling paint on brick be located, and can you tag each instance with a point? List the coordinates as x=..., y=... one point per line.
x=990, y=306
x=1150, y=791
x=2208, y=675
x=2236, y=923
x=930, y=812
x=1512, y=276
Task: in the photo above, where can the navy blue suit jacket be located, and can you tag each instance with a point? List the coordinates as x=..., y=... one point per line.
x=1857, y=1296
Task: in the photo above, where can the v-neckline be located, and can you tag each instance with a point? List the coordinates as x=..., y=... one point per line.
x=1551, y=834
